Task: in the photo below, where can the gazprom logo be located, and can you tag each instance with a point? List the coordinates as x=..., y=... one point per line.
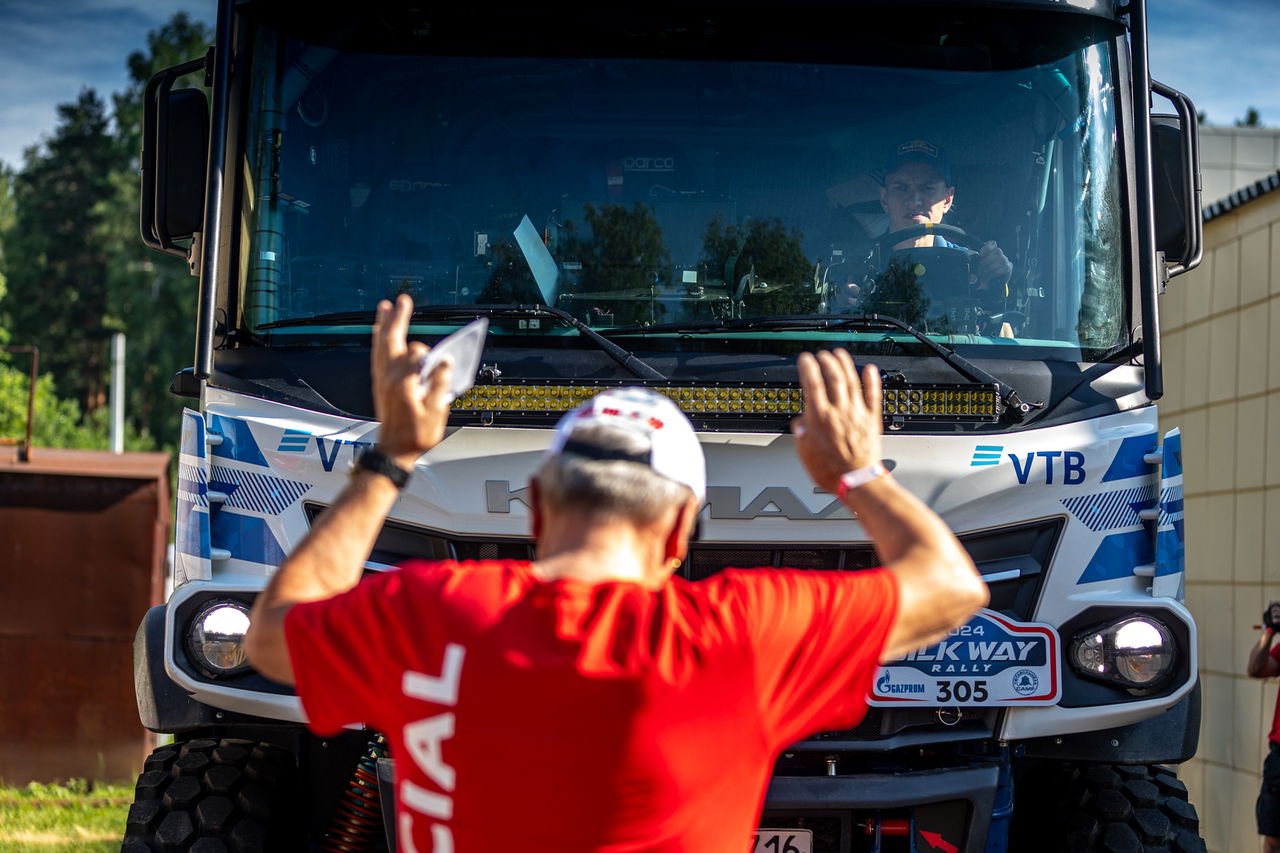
x=294, y=441
x=884, y=686
x=986, y=454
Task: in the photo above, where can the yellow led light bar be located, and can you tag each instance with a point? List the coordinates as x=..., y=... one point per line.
x=928, y=402
x=693, y=400
x=978, y=402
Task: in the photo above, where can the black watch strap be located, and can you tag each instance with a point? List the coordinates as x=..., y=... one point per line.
x=378, y=462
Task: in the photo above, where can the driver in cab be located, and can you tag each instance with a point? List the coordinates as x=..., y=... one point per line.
x=917, y=190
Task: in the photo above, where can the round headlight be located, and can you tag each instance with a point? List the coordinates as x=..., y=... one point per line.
x=1134, y=652
x=1143, y=651
x=216, y=639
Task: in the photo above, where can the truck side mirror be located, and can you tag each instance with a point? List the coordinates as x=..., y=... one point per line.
x=175, y=144
x=1169, y=182
x=1176, y=183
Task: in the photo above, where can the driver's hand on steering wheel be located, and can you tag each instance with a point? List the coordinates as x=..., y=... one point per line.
x=994, y=268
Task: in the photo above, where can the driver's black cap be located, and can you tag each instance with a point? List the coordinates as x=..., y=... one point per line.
x=917, y=151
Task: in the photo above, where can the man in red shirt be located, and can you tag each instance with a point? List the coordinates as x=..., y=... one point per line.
x=1264, y=662
x=589, y=700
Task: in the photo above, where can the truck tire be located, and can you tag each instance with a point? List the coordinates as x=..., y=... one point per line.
x=215, y=796
x=1102, y=808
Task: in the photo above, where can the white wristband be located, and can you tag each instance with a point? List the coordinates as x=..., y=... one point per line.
x=859, y=477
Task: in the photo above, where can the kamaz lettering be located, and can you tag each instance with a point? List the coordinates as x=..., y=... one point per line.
x=722, y=502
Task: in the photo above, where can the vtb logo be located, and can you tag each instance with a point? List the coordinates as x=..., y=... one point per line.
x=1067, y=465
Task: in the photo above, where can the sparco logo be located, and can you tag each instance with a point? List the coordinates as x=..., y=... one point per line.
x=722, y=502
x=648, y=164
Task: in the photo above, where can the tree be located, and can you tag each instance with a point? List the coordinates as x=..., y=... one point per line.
x=620, y=252
x=57, y=422
x=154, y=294
x=771, y=255
x=55, y=261
x=72, y=262
x=6, y=222
x=1251, y=119
x=178, y=41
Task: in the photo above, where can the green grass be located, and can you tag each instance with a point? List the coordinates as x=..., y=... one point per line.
x=75, y=817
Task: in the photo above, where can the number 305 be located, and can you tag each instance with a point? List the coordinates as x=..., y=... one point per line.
x=962, y=691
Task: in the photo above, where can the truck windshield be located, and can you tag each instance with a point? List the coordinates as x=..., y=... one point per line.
x=652, y=197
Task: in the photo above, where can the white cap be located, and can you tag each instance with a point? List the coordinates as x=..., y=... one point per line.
x=674, y=449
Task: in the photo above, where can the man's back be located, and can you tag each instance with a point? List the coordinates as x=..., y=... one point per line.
x=572, y=716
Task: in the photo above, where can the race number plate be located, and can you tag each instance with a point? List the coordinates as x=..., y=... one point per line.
x=990, y=662
x=765, y=840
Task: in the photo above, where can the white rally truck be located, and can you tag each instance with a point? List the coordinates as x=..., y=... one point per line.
x=685, y=196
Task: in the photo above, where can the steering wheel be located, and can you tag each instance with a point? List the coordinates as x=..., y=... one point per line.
x=950, y=233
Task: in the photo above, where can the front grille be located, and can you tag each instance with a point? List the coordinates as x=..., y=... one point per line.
x=706, y=560
x=1015, y=558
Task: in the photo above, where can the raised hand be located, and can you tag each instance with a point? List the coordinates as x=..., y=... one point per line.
x=842, y=422
x=413, y=414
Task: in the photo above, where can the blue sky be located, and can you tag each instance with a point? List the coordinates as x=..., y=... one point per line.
x=51, y=49
x=1225, y=55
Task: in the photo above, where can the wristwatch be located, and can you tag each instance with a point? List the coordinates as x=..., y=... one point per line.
x=378, y=462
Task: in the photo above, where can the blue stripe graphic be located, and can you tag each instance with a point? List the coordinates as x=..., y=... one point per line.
x=255, y=492
x=1111, y=510
x=986, y=454
x=1172, y=454
x=1128, y=461
x=192, y=443
x=237, y=441
x=192, y=486
x=247, y=537
x=1117, y=556
x=294, y=441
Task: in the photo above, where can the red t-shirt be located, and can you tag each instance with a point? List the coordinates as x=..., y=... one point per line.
x=565, y=716
x=1275, y=720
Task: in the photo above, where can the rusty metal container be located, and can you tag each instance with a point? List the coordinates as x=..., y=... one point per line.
x=83, y=537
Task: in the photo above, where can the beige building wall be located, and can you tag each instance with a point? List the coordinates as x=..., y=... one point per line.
x=1234, y=157
x=1221, y=335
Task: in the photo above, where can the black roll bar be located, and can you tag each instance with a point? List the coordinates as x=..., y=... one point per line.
x=210, y=243
x=1149, y=274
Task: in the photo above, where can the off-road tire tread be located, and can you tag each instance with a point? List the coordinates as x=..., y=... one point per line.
x=1073, y=808
x=214, y=796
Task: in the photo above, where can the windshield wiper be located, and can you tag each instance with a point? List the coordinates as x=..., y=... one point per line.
x=809, y=322
x=1013, y=403
x=624, y=357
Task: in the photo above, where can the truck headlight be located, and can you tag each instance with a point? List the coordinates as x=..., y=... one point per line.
x=216, y=638
x=1136, y=652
